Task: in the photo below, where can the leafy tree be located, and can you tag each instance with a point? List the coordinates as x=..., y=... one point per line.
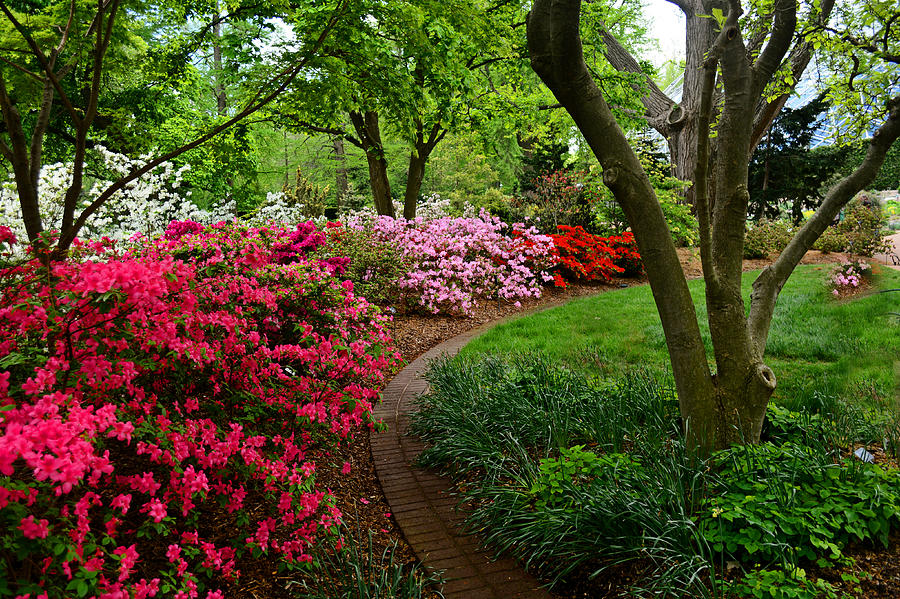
x=59, y=56
x=679, y=122
x=727, y=406
x=784, y=171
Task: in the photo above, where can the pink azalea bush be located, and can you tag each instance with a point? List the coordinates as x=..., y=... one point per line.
x=849, y=275
x=455, y=261
x=146, y=394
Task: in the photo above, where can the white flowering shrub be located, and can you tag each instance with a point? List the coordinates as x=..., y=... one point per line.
x=146, y=205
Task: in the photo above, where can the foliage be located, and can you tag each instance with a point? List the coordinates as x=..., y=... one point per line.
x=558, y=489
x=765, y=237
x=790, y=502
x=785, y=174
x=145, y=390
x=575, y=474
x=309, y=199
x=376, y=267
x=555, y=199
x=591, y=257
x=859, y=231
x=349, y=573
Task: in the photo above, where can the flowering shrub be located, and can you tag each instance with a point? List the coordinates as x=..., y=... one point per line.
x=591, y=257
x=454, y=261
x=146, y=205
x=376, y=267
x=145, y=394
x=849, y=275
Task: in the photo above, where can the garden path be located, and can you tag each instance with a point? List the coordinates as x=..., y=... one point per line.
x=892, y=258
x=421, y=501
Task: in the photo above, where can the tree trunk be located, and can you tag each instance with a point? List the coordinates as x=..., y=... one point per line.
x=418, y=158
x=556, y=56
x=341, y=180
x=414, y=177
x=369, y=133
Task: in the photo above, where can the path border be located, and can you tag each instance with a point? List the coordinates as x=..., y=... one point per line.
x=421, y=501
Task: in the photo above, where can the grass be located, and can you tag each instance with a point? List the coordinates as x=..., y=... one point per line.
x=816, y=344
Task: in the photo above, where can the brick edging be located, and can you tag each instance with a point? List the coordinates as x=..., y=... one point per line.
x=421, y=502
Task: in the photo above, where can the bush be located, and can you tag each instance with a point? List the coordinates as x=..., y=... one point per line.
x=859, y=232
x=146, y=392
x=376, y=267
x=765, y=237
x=591, y=257
x=456, y=261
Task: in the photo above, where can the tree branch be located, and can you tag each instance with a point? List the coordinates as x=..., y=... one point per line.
x=770, y=281
x=45, y=64
x=779, y=43
x=659, y=107
x=288, y=74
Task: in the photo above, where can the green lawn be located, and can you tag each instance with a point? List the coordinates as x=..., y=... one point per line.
x=816, y=346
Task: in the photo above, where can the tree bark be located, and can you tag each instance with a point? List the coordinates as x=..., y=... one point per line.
x=677, y=122
x=418, y=159
x=556, y=56
x=369, y=133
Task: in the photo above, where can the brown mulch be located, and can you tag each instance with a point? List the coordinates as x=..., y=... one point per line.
x=359, y=495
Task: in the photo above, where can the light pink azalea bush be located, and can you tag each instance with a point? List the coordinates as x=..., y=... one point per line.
x=849, y=275
x=146, y=394
x=456, y=261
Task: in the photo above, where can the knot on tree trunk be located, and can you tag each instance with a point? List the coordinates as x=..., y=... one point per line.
x=766, y=377
x=610, y=176
x=676, y=117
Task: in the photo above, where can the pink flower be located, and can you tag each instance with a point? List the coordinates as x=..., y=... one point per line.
x=346, y=468
x=34, y=530
x=155, y=509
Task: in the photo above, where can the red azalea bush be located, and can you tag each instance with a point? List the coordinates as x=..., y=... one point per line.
x=161, y=410
x=592, y=257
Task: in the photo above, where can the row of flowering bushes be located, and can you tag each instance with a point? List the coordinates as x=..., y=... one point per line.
x=161, y=409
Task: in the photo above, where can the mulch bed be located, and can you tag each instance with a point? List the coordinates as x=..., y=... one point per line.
x=359, y=495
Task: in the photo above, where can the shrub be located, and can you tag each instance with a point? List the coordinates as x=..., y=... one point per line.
x=591, y=257
x=859, y=232
x=765, y=237
x=558, y=198
x=455, y=261
x=376, y=267
x=146, y=392
x=848, y=275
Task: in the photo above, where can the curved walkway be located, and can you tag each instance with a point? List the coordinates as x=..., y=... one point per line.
x=892, y=257
x=421, y=501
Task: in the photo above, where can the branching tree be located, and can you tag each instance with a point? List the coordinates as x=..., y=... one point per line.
x=679, y=122
x=67, y=58
x=726, y=406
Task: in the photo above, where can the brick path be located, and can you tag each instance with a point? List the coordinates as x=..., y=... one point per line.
x=422, y=504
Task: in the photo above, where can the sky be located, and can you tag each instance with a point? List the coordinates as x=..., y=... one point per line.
x=667, y=26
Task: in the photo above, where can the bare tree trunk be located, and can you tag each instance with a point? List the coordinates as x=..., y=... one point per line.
x=418, y=159
x=369, y=134
x=342, y=182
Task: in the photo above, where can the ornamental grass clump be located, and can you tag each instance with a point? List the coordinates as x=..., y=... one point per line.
x=162, y=409
x=576, y=476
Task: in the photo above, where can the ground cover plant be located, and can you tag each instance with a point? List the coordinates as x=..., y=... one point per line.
x=164, y=404
x=579, y=465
